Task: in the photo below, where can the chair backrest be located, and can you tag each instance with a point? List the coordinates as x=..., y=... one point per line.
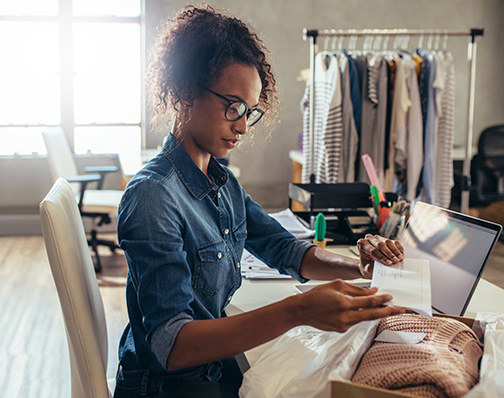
x=491, y=148
x=59, y=156
x=79, y=295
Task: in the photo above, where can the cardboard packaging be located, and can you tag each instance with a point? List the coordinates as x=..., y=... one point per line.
x=348, y=389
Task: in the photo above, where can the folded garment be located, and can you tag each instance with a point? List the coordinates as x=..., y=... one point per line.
x=444, y=364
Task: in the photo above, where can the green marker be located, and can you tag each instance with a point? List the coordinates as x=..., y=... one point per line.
x=376, y=198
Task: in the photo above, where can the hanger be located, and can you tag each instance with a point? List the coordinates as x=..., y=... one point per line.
x=333, y=42
x=326, y=42
x=340, y=41
x=445, y=40
x=436, y=42
x=385, y=43
x=429, y=43
x=420, y=41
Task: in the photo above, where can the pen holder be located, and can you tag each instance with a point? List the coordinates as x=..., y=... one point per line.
x=320, y=243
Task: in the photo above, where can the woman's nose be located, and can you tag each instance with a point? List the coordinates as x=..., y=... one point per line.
x=240, y=125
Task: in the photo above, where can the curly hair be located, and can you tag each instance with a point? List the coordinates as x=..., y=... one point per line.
x=193, y=48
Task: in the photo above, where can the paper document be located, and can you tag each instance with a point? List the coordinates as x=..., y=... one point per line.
x=408, y=282
x=253, y=268
x=290, y=222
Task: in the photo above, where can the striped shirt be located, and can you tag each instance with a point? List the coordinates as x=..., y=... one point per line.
x=443, y=181
x=328, y=122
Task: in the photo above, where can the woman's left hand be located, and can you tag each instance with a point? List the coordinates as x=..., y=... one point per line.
x=376, y=247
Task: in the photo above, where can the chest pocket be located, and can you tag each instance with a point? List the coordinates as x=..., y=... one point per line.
x=240, y=230
x=214, y=269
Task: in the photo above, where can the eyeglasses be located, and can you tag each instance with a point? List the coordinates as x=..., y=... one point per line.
x=237, y=109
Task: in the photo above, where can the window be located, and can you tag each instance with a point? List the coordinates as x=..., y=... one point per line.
x=29, y=82
x=72, y=63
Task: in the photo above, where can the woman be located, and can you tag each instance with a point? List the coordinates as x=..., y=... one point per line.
x=184, y=221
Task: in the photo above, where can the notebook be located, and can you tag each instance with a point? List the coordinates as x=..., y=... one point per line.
x=457, y=246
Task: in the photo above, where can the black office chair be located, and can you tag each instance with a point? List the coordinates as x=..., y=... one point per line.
x=487, y=168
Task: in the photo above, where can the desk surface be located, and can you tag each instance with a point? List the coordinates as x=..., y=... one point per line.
x=258, y=293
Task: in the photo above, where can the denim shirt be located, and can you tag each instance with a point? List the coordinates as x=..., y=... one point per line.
x=183, y=235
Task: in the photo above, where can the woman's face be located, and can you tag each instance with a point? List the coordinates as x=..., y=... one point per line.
x=208, y=132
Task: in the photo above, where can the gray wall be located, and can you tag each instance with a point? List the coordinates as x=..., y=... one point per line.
x=265, y=166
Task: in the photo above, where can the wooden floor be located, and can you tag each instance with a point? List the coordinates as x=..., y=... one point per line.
x=34, y=358
x=33, y=351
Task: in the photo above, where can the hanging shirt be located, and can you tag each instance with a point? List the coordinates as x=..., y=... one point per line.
x=328, y=124
x=355, y=91
x=445, y=136
x=406, y=127
x=361, y=68
x=350, y=136
x=388, y=183
x=374, y=114
x=429, y=134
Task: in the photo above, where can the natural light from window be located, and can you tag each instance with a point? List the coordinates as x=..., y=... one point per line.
x=120, y=8
x=107, y=73
x=28, y=7
x=29, y=82
x=106, y=90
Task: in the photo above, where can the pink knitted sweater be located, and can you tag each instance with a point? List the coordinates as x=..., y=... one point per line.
x=444, y=364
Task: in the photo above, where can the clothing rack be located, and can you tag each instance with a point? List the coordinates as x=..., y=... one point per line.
x=472, y=34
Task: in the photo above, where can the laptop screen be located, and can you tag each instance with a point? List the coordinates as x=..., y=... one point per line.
x=457, y=247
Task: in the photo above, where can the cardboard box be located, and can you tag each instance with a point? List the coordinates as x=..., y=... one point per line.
x=348, y=389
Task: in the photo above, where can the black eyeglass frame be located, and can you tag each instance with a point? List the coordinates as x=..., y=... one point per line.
x=247, y=112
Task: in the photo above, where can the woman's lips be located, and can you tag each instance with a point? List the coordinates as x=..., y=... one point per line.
x=230, y=143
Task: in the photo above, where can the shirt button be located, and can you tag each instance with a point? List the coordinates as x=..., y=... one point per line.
x=226, y=231
x=237, y=265
x=219, y=255
x=229, y=298
x=219, y=195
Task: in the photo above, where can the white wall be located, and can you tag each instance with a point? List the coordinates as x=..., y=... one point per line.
x=265, y=167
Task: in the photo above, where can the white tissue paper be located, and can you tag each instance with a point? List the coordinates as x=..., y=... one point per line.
x=304, y=359
x=490, y=326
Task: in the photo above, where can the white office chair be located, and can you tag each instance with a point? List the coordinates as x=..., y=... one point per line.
x=79, y=295
x=98, y=204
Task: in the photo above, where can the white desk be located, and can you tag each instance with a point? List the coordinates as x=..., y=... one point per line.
x=257, y=293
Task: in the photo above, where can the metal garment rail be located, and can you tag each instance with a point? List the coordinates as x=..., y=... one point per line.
x=472, y=34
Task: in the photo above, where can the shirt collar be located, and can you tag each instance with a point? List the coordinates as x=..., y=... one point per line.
x=193, y=178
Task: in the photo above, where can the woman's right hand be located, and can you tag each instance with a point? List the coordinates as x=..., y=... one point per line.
x=337, y=305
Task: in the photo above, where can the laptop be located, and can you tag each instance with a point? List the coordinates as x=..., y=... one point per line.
x=457, y=246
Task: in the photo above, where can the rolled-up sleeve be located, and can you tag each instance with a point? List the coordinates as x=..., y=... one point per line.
x=164, y=336
x=273, y=244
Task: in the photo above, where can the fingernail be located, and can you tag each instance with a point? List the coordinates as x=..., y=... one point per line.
x=388, y=262
x=388, y=297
